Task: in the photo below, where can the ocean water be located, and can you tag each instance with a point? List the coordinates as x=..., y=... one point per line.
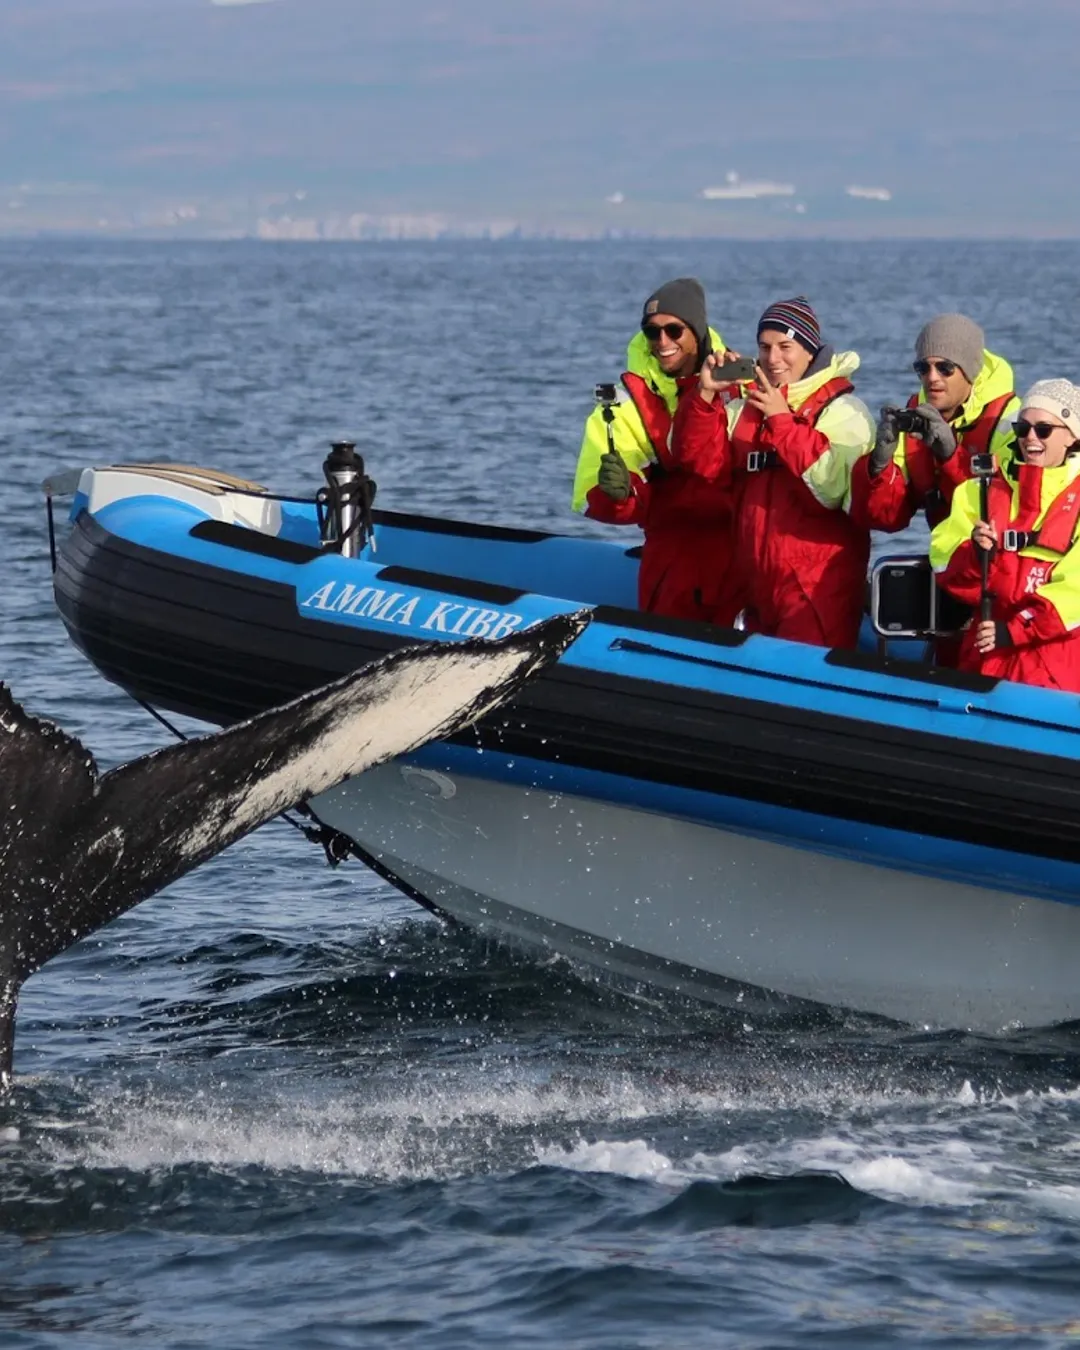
x=277, y=1106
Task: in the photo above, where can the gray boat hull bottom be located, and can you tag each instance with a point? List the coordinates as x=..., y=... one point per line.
x=703, y=910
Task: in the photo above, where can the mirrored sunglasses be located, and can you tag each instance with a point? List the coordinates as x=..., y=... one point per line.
x=923, y=368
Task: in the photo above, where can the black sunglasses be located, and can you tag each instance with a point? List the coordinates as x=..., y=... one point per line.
x=923, y=368
x=653, y=330
x=1041, y=429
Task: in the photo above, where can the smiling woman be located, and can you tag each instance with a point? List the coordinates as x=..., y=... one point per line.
x=1011, y=550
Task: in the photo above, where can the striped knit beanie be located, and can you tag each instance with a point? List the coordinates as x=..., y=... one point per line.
x=797, y=319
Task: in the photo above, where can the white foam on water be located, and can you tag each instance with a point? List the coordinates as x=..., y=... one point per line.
x=633, y=1158
x=887, y=1176
x=895, y=1178
x=440, y=1127
x=879, y=1170
x=1063, y=1202
x=441, y=1124
x=906, y=1146
x=328, y=1140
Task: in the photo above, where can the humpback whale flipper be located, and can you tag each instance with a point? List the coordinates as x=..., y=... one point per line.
x=77, y=850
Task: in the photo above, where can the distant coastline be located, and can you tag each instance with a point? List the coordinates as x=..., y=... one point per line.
x=834, y=233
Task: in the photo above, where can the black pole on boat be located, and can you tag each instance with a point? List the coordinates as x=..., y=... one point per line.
x=348, y=523
x=982, y=468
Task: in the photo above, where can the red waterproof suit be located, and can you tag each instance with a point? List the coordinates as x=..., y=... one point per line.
x=1034, y=576
x=686, y=569
x=800, y=560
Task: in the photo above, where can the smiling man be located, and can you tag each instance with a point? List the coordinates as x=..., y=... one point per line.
x=626, y=474
x=922, y=454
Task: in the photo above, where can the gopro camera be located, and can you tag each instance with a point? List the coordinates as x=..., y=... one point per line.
x=982, y=466
x=606, y=394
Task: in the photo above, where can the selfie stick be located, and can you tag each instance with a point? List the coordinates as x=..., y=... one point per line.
x=982, y=468
x=608, y=398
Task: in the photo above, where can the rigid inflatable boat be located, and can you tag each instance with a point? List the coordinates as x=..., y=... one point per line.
x=694, y=807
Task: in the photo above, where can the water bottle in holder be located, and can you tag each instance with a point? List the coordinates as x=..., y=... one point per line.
x=344, y=504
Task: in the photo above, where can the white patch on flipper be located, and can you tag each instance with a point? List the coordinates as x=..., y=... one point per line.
x=399, y=709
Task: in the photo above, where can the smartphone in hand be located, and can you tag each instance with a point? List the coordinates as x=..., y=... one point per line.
x=736, y=372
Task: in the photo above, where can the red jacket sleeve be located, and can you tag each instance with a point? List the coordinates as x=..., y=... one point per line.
x=963, y=576
x=633, y=511
x=956, y=469
x=882, y=503
x=699, y=437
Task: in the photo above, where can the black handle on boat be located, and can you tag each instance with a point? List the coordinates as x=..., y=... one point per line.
x=982, y=467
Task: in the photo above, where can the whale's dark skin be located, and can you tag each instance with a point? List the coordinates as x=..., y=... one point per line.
x=78, y=849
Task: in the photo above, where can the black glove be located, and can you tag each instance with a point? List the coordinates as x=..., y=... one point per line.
x=934, y=432
x=885, y=441
x=614, y=476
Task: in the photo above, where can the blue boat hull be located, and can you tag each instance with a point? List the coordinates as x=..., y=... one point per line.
x=940, y=779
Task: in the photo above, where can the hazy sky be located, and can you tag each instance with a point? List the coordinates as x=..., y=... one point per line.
x=542, y=109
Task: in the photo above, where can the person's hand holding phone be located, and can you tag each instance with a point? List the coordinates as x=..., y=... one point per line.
x=766, y=396
x=720, y=371
x=710, y=378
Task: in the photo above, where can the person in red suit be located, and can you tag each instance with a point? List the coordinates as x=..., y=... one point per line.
x=626, y=474
x=786, y=451
x=1022, y=553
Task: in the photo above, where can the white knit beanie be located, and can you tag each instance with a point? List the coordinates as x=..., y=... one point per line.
x=1061, y=398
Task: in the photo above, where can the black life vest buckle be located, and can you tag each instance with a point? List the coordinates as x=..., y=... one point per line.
x=1012, y=541
x=757, y=460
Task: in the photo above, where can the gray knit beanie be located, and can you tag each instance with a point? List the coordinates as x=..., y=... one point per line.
x=685, y=298
x=1060, y=398
x=953, y=337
